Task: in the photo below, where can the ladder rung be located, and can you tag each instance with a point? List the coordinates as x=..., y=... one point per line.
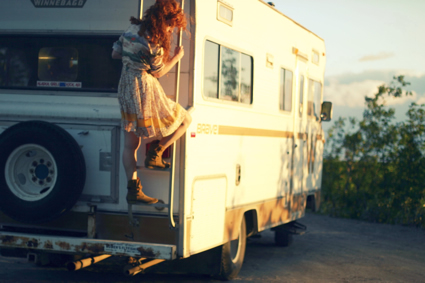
x=152, y=169
x=158, y=204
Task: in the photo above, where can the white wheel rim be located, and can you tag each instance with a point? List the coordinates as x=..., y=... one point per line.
x=31, y=172
x=235, y=248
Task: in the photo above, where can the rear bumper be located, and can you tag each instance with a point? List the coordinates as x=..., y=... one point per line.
x=86, y=246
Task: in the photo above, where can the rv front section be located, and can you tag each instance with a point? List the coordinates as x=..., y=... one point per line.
x=252, y=80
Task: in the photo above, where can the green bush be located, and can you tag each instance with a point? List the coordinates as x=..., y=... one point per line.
x=374, y=169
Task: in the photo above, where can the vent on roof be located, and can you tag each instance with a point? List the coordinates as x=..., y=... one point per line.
x=271, y=4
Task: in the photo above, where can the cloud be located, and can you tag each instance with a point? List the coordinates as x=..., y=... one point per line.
x=350, y=89
x=421, y=100
x=347, y=91
x=409, y=73
x=380, y=56
x=353, y=94
x=377, y=75
x=350, y=94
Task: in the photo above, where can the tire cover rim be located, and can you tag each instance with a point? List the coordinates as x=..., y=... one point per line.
x=31, y=172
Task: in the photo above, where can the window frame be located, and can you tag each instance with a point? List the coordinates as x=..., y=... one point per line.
x=292, y=89
x=217, y=99
x=301, y=93
x=87, y=92
x=317, y=53
x=225, y=5
x=313, y=117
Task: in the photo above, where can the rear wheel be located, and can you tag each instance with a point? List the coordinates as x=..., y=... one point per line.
x=232, y=255
x=42, y=172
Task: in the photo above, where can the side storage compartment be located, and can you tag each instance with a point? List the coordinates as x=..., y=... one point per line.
x=100, y=146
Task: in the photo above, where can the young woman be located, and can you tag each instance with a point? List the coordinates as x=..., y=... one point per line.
x=145, y=109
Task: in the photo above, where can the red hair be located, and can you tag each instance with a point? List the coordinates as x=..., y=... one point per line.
x=157, y=19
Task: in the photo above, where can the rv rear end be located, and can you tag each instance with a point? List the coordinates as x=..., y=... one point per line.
x=62, y=186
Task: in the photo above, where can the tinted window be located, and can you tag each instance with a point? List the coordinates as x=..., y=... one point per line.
x=246, y=78
x=211, y=68
x=60, y=62
x=227, y=74
x=301, y=94
x=310, y=98
x=314, y=98
x=230, y=69
x=317, y=99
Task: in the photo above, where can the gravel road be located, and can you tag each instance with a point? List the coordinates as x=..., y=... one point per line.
x=332, y=250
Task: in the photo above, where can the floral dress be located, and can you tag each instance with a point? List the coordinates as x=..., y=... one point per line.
x=145, y=108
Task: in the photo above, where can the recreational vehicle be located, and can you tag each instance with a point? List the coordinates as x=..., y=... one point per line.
x=251, y=160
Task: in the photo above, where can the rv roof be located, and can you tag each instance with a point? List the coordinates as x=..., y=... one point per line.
x=272, y=7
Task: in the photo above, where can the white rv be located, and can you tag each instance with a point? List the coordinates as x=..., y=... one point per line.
x=251, y=160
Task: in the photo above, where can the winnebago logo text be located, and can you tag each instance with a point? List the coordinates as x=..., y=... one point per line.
x=58, y=3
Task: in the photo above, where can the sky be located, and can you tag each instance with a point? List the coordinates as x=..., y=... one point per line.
x=367, y=43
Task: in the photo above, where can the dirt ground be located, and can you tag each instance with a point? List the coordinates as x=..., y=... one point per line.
x=332, y=250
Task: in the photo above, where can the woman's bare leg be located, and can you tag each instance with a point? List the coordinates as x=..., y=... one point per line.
x=129, y=155
x=169, y=140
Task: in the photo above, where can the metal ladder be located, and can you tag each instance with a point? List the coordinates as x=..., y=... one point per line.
x=134, y=222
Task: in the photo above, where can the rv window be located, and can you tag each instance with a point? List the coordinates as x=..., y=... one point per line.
x=225, y=13
x=301, y=94
x=317, y=99
x=230, y=68
x=315, y=58
x=310, y=98
x=16, y=68
x=211, y=68
x=72, y=63
x=246, y=78
x=57, y=64
x=285, y=90
x=227, y=74
x=314, y=98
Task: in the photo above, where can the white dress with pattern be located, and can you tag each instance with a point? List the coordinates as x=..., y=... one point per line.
x=145, y=108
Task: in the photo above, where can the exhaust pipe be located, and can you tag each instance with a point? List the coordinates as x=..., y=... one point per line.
x=76, y=265
x=141, y=268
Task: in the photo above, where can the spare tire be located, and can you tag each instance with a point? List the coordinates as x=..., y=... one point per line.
x=42, y=172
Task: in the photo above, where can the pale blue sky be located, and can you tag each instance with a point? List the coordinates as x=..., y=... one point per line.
x=367, y=42
x=353, y=29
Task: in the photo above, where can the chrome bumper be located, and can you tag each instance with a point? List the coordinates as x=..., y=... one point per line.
x=86, y=246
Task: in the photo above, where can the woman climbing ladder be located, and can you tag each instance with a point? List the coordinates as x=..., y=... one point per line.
x=146, y=112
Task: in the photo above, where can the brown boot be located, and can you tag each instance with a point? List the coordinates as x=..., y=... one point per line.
x=135, y=194
x=154, y=157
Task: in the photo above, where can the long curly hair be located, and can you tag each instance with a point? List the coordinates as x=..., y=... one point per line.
x=157, y=19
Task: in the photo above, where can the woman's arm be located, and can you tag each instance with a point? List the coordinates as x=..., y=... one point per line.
x=116, y=55
x=178, y=54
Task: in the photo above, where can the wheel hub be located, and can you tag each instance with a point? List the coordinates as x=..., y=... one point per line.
x=31, y=172
x=41, y=172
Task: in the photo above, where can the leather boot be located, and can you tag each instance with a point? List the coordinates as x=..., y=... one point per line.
x=135, y=194
x=154, y=157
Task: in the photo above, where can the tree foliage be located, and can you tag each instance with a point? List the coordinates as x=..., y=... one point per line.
x=374, y=169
